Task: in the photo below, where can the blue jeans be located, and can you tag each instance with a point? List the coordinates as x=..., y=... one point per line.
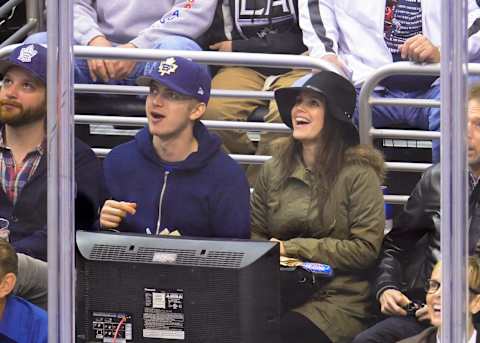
x=82, y=74
x=386, y=116
x=427, y=118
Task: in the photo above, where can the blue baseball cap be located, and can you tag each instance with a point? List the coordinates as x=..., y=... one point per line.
x=180, y=75
x=32, y=57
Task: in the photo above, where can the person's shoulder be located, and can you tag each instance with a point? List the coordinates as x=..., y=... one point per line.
x=31, y=312
x=364, y=159
x=82, y=148
x=122, y=152
x=222, y=170
x=224, y=164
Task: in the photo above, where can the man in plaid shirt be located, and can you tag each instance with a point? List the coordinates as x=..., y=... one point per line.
x=23, y=165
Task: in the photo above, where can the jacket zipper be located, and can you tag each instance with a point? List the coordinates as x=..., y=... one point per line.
x=165, y=177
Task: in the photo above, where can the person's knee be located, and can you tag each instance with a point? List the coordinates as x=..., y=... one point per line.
x=37, y=38
x=363, y=337
x=176, y=43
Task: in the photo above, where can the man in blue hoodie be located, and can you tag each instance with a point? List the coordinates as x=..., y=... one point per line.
x=20, y=320
x=174, y=175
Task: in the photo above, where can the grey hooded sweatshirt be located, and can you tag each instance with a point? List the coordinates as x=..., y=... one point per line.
x=141, y=22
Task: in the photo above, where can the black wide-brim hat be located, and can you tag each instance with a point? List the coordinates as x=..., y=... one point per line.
x=340, y=96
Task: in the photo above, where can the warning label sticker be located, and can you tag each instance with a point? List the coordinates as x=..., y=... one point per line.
x=163, y=315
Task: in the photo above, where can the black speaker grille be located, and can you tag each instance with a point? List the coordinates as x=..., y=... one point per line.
x=125, y=253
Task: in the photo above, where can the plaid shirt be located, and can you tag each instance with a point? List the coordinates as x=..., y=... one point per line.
x=13, y=178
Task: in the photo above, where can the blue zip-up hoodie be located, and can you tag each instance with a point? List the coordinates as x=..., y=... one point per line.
x=206, y=195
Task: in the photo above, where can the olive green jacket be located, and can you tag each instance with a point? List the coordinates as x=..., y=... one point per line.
x=349, y=240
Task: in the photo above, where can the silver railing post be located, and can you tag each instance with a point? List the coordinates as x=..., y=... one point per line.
x=33, y=9
x=454, y=196
x=60, y=172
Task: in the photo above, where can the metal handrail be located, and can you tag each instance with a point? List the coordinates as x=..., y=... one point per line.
x=207, y=57
x=366, y=101
x=367, y=132
x=212, y=124
x=260, y=159
x=141, y=90
x=243, y=59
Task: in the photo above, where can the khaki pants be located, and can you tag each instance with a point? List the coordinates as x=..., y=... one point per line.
x=234, y=109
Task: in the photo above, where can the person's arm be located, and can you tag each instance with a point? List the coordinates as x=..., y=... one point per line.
x=85, y=27
x=186, y=18
x=319, y=26
x=259, y=206
x=32, y=280
x=360, y=249
x=230, y=206
x=473, y=31
x=413, y=223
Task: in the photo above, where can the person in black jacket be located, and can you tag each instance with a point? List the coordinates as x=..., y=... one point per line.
x=255, y=26
x=23, y=155
x=412, y=248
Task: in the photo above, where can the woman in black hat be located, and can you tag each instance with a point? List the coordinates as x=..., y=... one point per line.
x=320, y=198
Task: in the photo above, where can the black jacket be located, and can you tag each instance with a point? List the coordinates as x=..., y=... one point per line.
x=258, y=26
x=412, y=248
x=28, y=217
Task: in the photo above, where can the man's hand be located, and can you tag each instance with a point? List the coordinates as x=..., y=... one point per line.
x=419, y=49
x=98, y=68
x=120, y=69
x=392, y=302
x=283, y=252
x=422, y=314
x=225, y=46
x=113, y=212
x=336, y=62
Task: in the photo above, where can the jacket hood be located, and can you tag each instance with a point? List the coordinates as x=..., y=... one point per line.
x=366, y=155
x=208, y=146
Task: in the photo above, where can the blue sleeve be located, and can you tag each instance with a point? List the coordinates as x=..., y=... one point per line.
x=41, y=327
x=231, y=208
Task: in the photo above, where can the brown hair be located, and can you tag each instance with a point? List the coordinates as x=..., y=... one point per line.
x=8, y=258
x=335, y=138
x=474, y=273
x=474, y=92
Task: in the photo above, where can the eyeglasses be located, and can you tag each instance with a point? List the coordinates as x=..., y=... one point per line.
x=432, y=286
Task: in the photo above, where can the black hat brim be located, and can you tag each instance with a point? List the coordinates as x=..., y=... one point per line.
x=286, y=98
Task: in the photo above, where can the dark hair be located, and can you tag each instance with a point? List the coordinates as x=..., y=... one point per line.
x=334, y=140
x=8, y=258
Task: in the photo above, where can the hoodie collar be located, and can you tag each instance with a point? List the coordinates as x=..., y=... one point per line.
x=208, y=146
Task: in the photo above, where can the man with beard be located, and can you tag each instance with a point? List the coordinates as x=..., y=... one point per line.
x=412, y=248
x=23, y=155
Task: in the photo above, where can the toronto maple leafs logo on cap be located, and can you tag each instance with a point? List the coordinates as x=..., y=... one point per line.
x=200, y=91
x=168, y=66
x=26, y=54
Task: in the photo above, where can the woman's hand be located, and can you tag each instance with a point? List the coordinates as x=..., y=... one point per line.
x=283, y=252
